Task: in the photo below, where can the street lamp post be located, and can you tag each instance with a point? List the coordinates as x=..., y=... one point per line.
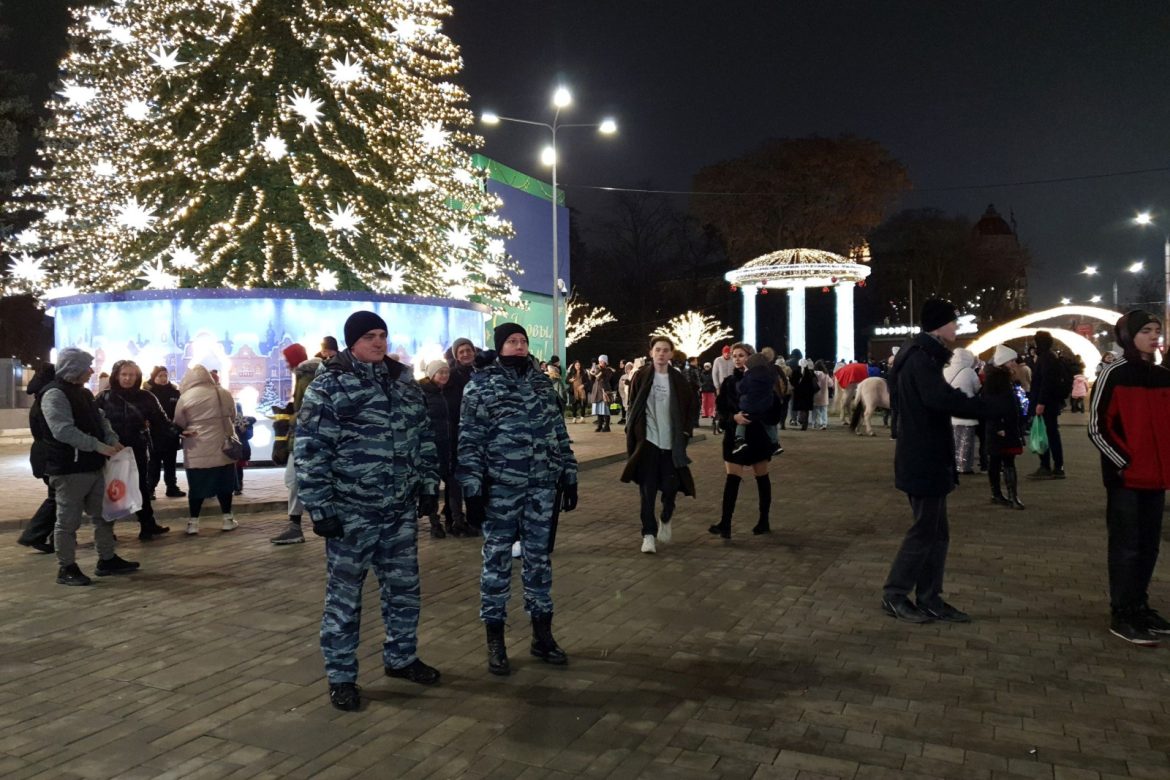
x=1135, y=267
x=1145, y=218
x=561, y=99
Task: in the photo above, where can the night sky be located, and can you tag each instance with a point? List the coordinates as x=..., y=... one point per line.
x=964, y=93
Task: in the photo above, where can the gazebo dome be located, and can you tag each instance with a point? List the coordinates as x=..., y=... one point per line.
x=796, y=268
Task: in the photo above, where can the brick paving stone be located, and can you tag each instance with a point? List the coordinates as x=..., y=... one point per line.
x=759, y=657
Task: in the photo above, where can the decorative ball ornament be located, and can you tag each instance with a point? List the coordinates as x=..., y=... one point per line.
x=833, y=279
x=861, y=283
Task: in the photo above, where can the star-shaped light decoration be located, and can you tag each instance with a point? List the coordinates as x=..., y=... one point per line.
x=489, y=270
x=344, y=218
x=464, y=176
x=395, y=277
x=422, y=184
x=326, y=280
x=308, y=108
x=158, y=278
x=275, y=147
x=120, y=34
x=61, y=291
x=135, y=216
x=493, y=222
x=459, y=238
x=98, y=22
x=345, y=72
x=183, y=258
x=28, y=237
x=77, y=94
x=104, y=168
x=138, y=110
x=433, y=135
x=28, y=269
x=166, y=60
x=514, y=295
x=496, y=247
x=55, y=216
x=406, y=29
x=453, y=272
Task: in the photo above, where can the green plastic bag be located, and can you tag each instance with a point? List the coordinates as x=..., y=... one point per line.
x=1038, y=437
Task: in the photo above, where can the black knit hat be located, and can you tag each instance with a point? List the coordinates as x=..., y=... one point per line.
x=1128, y=326
x=937, y=312
x=359, y=324
x=504, y=330
x=1044, y=341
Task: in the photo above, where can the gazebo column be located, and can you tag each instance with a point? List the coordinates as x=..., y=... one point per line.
x=749, y=314
x=845, y=335
x=796, y=320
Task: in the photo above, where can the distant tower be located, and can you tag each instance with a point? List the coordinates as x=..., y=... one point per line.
x=997, y=249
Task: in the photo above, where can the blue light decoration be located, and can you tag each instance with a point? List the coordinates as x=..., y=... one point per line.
x=241, y=334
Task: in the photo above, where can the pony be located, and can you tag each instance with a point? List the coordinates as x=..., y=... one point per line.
x=872, y=394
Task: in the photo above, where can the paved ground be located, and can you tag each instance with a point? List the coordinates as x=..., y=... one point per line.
x=759, y=657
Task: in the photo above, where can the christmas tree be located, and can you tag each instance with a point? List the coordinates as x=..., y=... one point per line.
x=265, y=143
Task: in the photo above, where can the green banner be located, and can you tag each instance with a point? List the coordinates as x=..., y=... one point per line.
x=497, y=171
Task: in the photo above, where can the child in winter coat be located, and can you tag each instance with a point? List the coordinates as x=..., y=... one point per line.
x=1080, y=390
x=755, y=396
x=1129, y=422
x=1005, y=434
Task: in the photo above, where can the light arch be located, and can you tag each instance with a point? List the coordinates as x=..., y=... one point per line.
x=1023, y=327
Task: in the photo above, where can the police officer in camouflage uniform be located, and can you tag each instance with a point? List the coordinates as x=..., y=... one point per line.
x=366, y=468
x=515, y=456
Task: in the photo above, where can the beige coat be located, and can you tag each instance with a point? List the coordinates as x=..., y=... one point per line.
x=207, y=409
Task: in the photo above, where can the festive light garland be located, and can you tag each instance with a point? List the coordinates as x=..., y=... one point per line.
x=694, y=333
x=253, y=143
x=581, y=319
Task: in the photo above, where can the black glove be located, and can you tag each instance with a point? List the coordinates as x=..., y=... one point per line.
x=569, y=497
x=428, y=505
x=328, y=527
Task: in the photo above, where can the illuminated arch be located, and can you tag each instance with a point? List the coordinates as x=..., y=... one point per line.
x=1020, y=328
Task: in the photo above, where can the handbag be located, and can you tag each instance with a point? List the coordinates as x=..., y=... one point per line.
x=232, y=446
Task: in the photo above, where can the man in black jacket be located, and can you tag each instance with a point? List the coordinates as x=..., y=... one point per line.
x=38, y=534
x=1047, y=397
x=924, y=465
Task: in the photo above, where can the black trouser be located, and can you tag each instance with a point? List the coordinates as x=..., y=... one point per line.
x=656, y=473
x=40, y=528
x=163, y=460
x=922, y=557
x=142, y=461
x=1134, y=520
x=1054, y=457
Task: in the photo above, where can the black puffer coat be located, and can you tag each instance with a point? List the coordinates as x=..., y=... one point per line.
x=438, y=412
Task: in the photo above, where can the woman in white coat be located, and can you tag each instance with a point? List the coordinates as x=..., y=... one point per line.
x=960, y=373
x=207, y=409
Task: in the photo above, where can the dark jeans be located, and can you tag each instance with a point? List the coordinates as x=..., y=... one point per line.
x=195, y=505
x=142, y=461
x=1054, y=458
x=656, y=473
x=162, y=461
x=922, y=557
x=1134, y=519
x=40, y=528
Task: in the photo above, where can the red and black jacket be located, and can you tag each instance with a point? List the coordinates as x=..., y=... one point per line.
x=1129, y=422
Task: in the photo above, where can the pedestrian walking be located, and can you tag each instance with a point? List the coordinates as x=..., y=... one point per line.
x=721, y=368
x=707, y=394
x=164, y=445
x=577, y=398
x=753, y=457
x=73, y=439
x=367, y=468
x=205, y=411
x=1080, y=391
x=1129, y=422
x=1004, y=433
x=303, y=369
x=660, y=425
x=38, y=533
x=924, y=464
x=515, y=455
x=804, y=391
x=960, y=374
x=1048, y=394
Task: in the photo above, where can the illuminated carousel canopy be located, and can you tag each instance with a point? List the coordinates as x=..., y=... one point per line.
x=794, y=268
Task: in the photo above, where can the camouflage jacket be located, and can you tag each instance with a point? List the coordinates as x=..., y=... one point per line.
x=364, y=440
x=512, y=432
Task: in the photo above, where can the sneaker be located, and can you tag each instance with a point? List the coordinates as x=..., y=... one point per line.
x=229, y=523
x=71, y=575
x=416, y=671
x=192, y=527
x=291, y=535
x=1041, y=473
x=945, y=613
x=517, y=550
x=664, y=534
x=174, y=492
x=740, y=446
x=648, y=545
x=345, y=696
x=902, y=608
x=1154, y=623
x=115, y=565
x=1129, y=628
x=1058, y=474
x=777, y=450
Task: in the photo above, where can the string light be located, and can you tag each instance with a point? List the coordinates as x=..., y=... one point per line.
x=581, y=319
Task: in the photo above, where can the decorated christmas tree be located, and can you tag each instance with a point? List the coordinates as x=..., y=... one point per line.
x=263, y=143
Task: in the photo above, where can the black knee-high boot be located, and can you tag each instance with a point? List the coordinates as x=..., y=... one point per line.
x=764, y=485
x=598, y=428
x=996, y=492
x=730, y=493
x=1011, y=482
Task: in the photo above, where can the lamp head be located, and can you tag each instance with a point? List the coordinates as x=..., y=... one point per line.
x=1136, y=267
x=1144, y=218
x=548, y=156
x=562, y=98
x=607, y=127
x=489, y=118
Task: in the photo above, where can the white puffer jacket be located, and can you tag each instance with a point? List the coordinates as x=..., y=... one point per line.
x=960, y=373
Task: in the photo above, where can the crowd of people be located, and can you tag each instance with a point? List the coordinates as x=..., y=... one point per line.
x=370, y=452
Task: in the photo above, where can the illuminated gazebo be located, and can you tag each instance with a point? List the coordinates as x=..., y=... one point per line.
x=795, y=270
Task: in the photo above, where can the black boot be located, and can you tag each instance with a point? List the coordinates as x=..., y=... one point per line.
x=996, y=494
x=1011, y=482
x=497, y=652
x=730, y=493
x=437, y=531
x=543, y=644
x=598, y=428
x=605, y=424
x=764, y=485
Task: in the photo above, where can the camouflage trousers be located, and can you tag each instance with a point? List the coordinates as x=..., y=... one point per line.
x=387, y=543
x=523, y=513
